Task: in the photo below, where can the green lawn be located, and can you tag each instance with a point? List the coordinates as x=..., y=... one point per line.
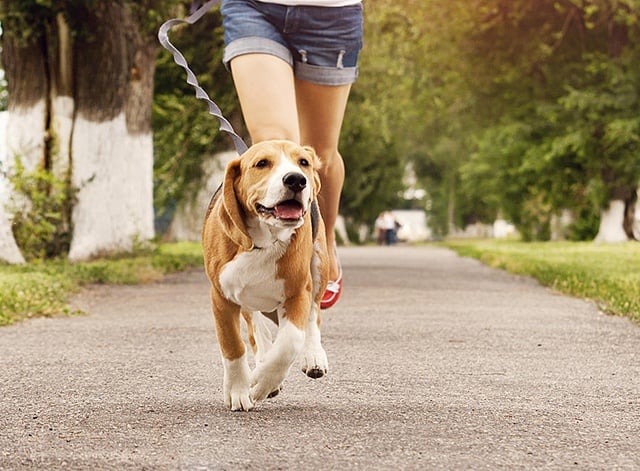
x=608, y=274
x=43, y=289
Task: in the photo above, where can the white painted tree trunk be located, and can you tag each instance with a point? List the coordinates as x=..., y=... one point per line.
x=187, y=220
x=62, y=102
x=62, y=108
x=115, y=179
x=25, y=135
x=560, y=224
x=611, y=223
x=88, y=104
x=24, y=139
x=9, y=251
x=636, y=218
x=112, y=146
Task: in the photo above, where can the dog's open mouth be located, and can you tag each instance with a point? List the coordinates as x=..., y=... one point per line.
x=289, y=210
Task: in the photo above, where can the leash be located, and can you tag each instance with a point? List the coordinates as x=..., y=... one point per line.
x=198, y=10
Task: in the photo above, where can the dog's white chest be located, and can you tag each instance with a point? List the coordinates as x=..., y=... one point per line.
x=249, y=280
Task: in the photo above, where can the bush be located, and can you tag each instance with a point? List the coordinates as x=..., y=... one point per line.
x=41, y=210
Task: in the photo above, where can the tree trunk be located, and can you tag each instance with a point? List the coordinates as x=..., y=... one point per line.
x=112, y=148
x=26, y=131
x=61, y=97
x=451, y=206
x=611, y=219
x=631, y=222
x=9, y=251
x=26, y=73
x=186, y=223
x=80, y=107
x=614, y=219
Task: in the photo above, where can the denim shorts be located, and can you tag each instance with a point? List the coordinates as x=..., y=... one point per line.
x=322, y=44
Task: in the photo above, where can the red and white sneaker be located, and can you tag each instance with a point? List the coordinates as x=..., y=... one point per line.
x=332, y=293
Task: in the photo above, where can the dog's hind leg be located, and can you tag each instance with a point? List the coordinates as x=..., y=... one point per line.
x=270, y=373
x=260, y=338
x=314, y=358
x=259, y=334
x=248, y=318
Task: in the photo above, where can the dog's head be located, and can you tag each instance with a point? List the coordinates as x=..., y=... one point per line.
x=274, y=182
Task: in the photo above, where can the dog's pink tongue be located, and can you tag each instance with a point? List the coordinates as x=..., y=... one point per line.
x=289, y=210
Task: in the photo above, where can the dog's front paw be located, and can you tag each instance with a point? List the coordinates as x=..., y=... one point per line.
x=314, y=362
x=239, y=400
x=237, y=395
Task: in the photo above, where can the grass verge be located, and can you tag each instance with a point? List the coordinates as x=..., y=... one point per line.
x=608, y=274
x=43, y=289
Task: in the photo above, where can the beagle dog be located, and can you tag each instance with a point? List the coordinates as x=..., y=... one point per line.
x=265, y=252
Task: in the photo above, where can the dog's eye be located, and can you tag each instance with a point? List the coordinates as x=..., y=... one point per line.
x=303, y=162
x=262, y=163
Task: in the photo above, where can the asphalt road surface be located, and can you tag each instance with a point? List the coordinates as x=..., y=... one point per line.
x=436, y=362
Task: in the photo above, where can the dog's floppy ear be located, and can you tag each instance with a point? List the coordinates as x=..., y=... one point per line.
x=232, y=214
x=315, y=162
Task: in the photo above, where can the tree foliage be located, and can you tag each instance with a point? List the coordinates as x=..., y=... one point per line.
x=521, y=108
x=565, y=134
x=184, y=132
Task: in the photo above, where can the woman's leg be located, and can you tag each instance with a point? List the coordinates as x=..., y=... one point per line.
x=320, y=113
x=265, y=87
x=277, y=106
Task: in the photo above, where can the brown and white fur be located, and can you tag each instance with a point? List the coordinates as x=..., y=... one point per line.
x=262, y=256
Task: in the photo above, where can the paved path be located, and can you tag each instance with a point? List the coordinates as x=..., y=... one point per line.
x=436, y=363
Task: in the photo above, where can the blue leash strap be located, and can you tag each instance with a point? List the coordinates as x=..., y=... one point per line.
x=178, y=58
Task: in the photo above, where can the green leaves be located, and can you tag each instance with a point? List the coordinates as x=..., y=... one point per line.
x=184, y=133
x=519, y=107
x=41, y=209
x=555, y=113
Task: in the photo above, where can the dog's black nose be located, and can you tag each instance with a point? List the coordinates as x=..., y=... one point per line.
x=295, y=181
